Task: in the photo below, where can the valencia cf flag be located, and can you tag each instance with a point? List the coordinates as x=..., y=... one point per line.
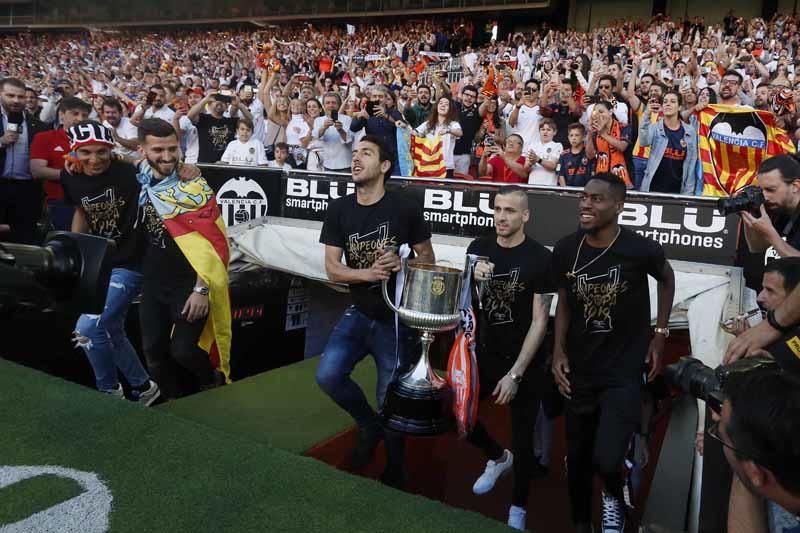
x=734, y=140
x=427, y=153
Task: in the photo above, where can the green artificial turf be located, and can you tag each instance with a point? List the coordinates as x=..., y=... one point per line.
x=168, y=474
x=30, y=496
x=283, y=407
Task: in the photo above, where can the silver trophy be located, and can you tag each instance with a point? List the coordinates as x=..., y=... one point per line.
x=419, y=401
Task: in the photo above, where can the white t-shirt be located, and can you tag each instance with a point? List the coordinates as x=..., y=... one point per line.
x=550, y=151
x=528, y=126
x=274, y=164
x=248, y=154
x=165, y=113
x=337, y=153
x=126, y=130
x=448, y=140
x=190, y=141
x=296, y=130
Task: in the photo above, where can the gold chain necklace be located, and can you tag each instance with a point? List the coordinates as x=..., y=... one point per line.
x=571, y=275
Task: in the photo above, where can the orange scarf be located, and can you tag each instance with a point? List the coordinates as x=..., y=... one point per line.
x=609, y=159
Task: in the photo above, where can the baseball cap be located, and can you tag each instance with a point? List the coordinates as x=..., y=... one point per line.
x=196, y=90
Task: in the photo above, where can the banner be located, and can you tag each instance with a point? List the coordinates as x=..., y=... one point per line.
x=427, y=153
x=734, y=140
x=689, y=229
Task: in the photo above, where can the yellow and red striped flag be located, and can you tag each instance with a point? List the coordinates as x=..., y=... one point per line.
x=427, y=153
x=190, y=214
x=734, y=140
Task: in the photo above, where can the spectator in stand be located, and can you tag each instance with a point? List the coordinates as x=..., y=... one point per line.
x=442, y=122
x=729, y=88
x=248, y=97
x=672, y=165
x=378, y=117
x=525, y=116
x=245, y=150
x=47, y=159
x=564, y=110
x=607, y=142
x=542, y=158
x=421, y=107
x=125, y=133
x=470, y=117
x=214, y=130
x=574, y=166
x=155, y=106
x=187, y=131
x=505, y=166
x=33, y=104
x=333, y=132
x=281, y=157
x=21, y=195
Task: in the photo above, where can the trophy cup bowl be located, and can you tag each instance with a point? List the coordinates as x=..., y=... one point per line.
x=418, y=402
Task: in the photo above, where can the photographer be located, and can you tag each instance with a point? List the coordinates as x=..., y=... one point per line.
x=758, y=431
x=153, y=107
x=214, y=129
x=776, y=231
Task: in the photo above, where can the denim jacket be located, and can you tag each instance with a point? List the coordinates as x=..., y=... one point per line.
x=654, y=136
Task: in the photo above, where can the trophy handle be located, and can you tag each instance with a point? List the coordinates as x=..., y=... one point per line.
x=385, y=285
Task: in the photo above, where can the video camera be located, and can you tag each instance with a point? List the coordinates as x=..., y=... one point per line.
x=705, y=383
x=71, y=271
x=748, y=199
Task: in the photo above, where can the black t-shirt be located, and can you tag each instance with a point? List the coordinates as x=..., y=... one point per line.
x=110, y=201
x=507, y=299
x=362, y=231
x=213, y=135
x=609, y=301
x=470, y=120
x=668, y=177
x=164, y=263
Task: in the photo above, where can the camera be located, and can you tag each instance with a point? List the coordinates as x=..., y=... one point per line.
x=749, y=199
x=574, y=66
x=489, y=140
x=706, y=383
x=15, y=128
x=71, y=271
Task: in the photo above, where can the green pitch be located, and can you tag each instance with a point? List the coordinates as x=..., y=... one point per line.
x=164, y=473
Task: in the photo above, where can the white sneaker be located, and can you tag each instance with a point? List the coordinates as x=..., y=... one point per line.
x=613, y=515
x=149, y=395
x=516, y=517
x=116, y=393
x=494, y=469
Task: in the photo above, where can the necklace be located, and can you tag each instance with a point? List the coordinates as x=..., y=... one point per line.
x=571, y=275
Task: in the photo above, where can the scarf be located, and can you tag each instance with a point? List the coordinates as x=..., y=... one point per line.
x=609, y=159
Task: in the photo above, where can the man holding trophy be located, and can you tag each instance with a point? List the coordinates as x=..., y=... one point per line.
x=512, y=272
x=369, y=228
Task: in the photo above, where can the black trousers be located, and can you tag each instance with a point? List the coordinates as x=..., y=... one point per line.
x=524, y=410
x=600, y=424
x=21, y=207
x=169, y=342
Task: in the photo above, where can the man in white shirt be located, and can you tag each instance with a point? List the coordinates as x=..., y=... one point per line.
x=525, y=116
x=156, y=107
x=470, y=59
x=605, y=88
x=544, y=155
x=190, y=142
x=126, y=142
x=333, y=132
x=247, y=97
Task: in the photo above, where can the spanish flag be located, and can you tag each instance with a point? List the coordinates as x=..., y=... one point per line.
x=734, y=140
x=428, y=156
x=190, y=214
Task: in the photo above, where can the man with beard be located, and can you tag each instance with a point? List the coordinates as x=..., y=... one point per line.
x=515, y=314
x=649, y=92
x=729, y=88
x=777, y=231
x=470, y=116
x=105, y=193
x=762, y=99
x=369, y=228
x=20, y=194
x=155, y=107
x=125, y=133
x=215, y=130
x=603, y=341
x=247, y=96
x=185, y=307
x=418, y=113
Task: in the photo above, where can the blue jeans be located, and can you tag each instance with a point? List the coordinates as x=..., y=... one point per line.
x=355, y=336
x=639, y=166
x=103, y=337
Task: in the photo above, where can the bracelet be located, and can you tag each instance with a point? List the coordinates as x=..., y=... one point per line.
x=772, y=321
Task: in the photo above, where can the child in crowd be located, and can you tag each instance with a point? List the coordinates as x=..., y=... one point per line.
x=244, y=150
x=281, y=156
x=543, y=155
x=574, y=168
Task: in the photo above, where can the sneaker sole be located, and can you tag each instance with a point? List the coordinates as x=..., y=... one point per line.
x=150, y=401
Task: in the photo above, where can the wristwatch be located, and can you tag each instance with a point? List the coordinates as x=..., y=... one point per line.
x=663, y=331
x=516, y=378
x=201, y=290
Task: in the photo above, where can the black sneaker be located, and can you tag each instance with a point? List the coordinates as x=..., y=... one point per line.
x=368, y=440
x=393, y=478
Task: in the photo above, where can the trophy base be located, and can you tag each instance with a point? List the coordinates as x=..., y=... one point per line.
x=417, y=411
